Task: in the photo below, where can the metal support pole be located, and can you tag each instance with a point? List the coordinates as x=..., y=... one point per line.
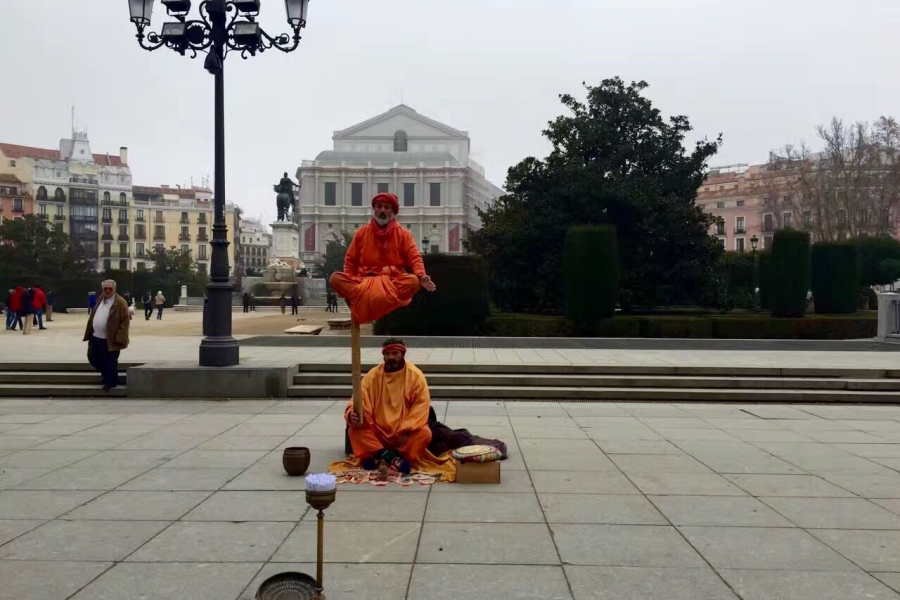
x=219, y=348
x=320, y=550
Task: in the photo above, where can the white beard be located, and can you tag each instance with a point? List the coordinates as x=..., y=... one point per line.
x=383, y=221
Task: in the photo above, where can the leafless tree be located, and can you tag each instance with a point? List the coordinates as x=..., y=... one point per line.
x=850, y=187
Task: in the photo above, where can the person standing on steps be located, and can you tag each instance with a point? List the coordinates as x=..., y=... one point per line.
x=282, y=301
x=295, y=302
x=107, y=334
x=160, y=304
x=148, y=305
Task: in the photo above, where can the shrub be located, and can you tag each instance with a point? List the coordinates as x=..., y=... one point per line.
x=890, y=270
x=740, y=270
x=789, y=273
x=817, y=328
x=460, y=306
x=872, y=251
x=835, y=278
x=871, y=298
x=590, y=275
x=765, y=285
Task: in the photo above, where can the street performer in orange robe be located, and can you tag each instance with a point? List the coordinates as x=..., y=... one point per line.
x=375, y=280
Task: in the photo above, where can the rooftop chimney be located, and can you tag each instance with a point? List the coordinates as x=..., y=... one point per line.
x=123, y=155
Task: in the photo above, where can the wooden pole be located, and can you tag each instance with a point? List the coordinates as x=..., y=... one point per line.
x=319, y=550
x=357, y=370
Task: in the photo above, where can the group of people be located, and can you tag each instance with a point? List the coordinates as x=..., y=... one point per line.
x=295, y=302
x=25, y=308
x=249, y=302
x=148, y=300
x=332, y=300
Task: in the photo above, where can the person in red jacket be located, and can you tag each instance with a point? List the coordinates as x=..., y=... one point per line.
x=14, y=307
x=40, y=305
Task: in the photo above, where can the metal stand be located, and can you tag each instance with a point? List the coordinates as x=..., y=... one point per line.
x=357, y=369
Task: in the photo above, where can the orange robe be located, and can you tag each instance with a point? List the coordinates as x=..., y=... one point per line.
x=374, y=279
x=395, y=404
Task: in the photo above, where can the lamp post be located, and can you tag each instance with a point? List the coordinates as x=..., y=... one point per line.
x=424, y=245
x=224, y=26
x=754, y=242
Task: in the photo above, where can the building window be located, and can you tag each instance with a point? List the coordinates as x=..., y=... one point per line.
x=400, y=141
x=768, y=222
x=123, y=265
x=107, y=215
x=60, y=195
x=159, y=233
x=107, y=230
x=106, y=196
x=384, y=188
x=330, y=193
x=767, y=242
x=807, y=218
x=787, y=219
x=141, y=266
x=434, y=190
x=123, y=230
x=17, y=205
x=43, y=209
x=720, y=228
x=739, y=226
x=356, y=194
x=159, y=217
x=185, y=234
x=139, y=249
x=59, y=174
x=720, y=205
x=105, y=176
x=185, y=249
x=201, y=218
x=139, y=215
x=59, y=211
x=123, y=249
x=786, y=200
x=123, y=198
x=139, y=232
x=184, y=217
x=740, y=203
x=201, y=268
x=739, y=244
x=409, y=194
x=107, y=265
x=42, y=193
x=12, y=163
x=123, y=215
x=201, y=252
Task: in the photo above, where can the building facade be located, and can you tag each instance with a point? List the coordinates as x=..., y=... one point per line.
x=426, y=164
x=256, y=247
x=15, y=202
x=167, y=217
x=86, y=195
x=753, y=201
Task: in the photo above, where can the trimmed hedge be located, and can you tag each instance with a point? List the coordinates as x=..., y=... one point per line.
x=790, y=273
x=460, y=306
x=765, y=283
x=739, y=271
x=590, y=275
x=835, y=278
x=750, y=326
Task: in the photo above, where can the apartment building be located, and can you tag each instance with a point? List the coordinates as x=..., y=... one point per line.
x=15, y=202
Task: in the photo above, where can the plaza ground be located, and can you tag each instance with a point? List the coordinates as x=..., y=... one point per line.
x=107, y=499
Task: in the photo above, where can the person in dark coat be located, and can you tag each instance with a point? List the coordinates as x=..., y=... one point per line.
x=246, y=299
x=13, y=306
x=252, y=303
x=27, y=311
x=282, y=301
x=51, y=300
x=295, y=302
x=148, y=305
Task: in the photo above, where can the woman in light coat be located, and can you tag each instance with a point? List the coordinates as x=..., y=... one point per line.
x=160, y=301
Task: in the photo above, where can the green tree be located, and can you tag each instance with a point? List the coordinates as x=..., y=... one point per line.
x=873, y=250
x=33, y=251
x=615, y=161
x=789, y=273
x=335, y=249
x=890, y=269
x=590, y=275
x=176, y=268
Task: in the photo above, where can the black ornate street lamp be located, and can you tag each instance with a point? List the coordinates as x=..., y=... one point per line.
x=424, y=245
x=754, y=242
x=224, y=26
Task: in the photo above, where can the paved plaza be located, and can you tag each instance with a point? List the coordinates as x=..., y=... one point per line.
x=122, y=499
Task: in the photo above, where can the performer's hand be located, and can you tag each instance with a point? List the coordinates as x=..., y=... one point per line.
x=353, y=418
x=426, y=282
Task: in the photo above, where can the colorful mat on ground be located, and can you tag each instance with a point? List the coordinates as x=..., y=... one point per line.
x=439, y=468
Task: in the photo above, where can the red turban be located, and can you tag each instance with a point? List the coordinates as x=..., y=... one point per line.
x=387, y=198
x=398, y=347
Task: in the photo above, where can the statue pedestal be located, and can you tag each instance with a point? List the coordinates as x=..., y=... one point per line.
x=286, y=242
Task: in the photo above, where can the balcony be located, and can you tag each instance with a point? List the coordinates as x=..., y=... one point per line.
x=42, y=216
x=202, y=237
x=106, y=219
x=51, y=198
x=114, y=202
x=203, y=257
x=184, y=237
x=106, y=254
x=18, y=209
x=59, y=217
x=768, y=227
x=720, y=231
x=139, y=219
x=122, y=238
x=106, y=237
x=159, y=235
x=159, y=220
x=740, y=230
x=140, y=235
x=185, y=221
x=201, y=220
x=123, y=219
x=87, y=180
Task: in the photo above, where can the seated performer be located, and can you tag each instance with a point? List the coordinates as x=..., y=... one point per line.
x=374, y=280
x=395, y=410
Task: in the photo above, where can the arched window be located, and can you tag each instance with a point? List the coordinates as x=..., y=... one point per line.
x=400, y=141
x=59, y=194
x=122, y=197
x=42, y=193
x=106, y=196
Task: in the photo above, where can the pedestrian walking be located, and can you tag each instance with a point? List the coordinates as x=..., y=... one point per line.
x=107, y=334
x=51, y=301
x=40, y=305
x=252, y=303
x=283, y=302
x=160, y=304
x=27, y=311
x=295, y=302
x=13, y=306
x=148, y=305
x=246, y=299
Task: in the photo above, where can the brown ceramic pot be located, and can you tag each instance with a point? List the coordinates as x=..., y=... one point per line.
x=295, y=461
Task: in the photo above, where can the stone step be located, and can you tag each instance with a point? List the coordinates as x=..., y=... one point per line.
x=22, y=390
x=569, y=369
x=54, y=377
x=469, y=392
x=651, y=381
x=59, y=366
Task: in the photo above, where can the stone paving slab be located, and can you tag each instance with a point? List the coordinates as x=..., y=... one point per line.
x=655, y=501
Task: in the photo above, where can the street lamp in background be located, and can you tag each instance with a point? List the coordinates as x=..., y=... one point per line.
x=424, y=245
x=223, y=26
x=754, y=242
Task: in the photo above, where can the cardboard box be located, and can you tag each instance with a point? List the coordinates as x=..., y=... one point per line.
x=478, y=472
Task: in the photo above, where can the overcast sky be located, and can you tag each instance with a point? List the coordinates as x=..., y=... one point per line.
x=761, y=72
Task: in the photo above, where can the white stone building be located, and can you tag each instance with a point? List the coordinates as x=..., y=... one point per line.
x=424, y=163
x=256, y=245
